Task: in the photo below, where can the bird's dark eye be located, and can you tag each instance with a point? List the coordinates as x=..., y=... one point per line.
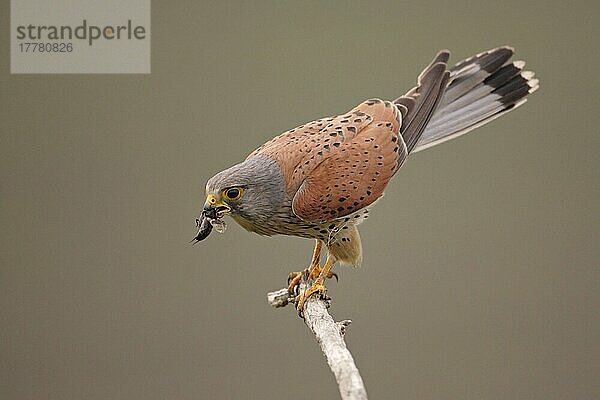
x=233, y=193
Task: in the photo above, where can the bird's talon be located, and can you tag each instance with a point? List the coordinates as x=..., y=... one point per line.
x=293, y=282
x=292, y=276
x=317, y=287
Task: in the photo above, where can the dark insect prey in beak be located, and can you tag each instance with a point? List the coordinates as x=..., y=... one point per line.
x=204, y=228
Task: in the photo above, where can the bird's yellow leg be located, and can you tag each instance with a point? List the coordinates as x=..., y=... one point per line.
x=313, y=269
x=318, y=286
x=314, y=262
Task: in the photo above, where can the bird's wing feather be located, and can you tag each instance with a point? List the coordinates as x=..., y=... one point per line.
x=356, y=173
x=336, y=166
x=299, y=150
x=419, y=103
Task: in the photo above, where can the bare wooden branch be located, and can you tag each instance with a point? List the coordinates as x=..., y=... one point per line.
x=330, y=336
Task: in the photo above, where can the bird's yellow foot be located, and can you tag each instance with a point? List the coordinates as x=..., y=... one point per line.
x=312, y=272
x=317, y=287
x=294, y=281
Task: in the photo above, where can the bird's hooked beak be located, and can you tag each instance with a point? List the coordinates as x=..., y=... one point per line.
x=215, y=208
x=211, y=215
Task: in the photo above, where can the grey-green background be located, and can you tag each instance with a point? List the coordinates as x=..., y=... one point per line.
x=481, y=271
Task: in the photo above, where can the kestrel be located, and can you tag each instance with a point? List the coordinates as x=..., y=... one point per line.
x=319, y=180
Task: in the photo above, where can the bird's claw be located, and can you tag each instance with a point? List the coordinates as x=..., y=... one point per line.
x=312, y=273
x=317, y=287
x=294, y=282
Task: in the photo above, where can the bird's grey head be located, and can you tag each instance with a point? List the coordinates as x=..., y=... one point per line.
x=251, y=191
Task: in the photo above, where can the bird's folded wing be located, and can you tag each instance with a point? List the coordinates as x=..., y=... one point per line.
x=356, y=175
x=419, y=104
x=351, y=178
x=300, y=150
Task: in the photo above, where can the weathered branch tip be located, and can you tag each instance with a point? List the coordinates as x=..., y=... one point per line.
x=330, y=336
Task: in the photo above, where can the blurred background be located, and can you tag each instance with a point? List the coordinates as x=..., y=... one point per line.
x=481, y=275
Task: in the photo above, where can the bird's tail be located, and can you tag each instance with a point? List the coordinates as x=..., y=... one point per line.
x=481, y=89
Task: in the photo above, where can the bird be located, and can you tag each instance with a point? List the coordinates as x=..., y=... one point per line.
x=320, y=180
